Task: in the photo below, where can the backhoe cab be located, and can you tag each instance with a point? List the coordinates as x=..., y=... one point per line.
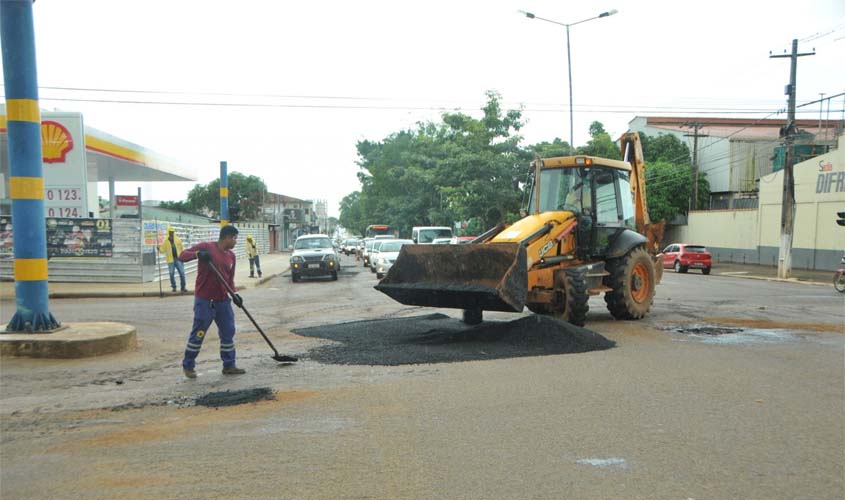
x=585, y=234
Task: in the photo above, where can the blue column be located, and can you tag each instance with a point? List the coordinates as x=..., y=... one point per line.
x=26, y=182
x=224, y=194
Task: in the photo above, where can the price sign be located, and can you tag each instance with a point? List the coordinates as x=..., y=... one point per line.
x=62, y=194
x=64, y=201
x=63, y=212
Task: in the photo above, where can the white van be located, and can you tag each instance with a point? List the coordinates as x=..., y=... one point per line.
x=425, y=235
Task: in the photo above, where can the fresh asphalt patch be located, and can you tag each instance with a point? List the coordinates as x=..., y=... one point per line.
x=437, y=338
x=236, y=397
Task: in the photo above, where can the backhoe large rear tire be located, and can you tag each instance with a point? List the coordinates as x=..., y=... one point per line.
x=571, y=297
x=632, y=279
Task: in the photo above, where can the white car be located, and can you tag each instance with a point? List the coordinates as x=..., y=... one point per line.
x=441, y=241
x=388, y=252
x=377, y=244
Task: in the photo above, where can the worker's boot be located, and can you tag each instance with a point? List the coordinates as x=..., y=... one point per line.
x=233, y=370
x=251, y=275
x=189, y=372
x=259, y=274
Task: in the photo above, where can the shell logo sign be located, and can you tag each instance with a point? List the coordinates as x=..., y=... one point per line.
x=56, y=142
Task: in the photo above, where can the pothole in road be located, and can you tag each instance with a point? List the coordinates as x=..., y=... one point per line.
x=437, y=338
x=719, y=334
x=703, y=329
x=236, y=397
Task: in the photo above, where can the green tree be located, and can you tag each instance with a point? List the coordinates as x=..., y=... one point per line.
x=669, y=177
x=180, y=206
x=351, y=215
x=552, y=149
x=665, y=147
x=457, y=169
x=600, y=144
x=246, y=194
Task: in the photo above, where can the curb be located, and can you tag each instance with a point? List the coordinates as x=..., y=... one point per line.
x=75, y=340
x=113, y=295
x=767, y=278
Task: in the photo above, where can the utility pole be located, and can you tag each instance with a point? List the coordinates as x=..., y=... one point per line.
x=695, y=135
x=787, y=213
x=26, y=179
x=821, y=109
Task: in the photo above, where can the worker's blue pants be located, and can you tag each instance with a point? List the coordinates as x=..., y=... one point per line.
x=256, y=261
x=176, y=265
x=206, y=311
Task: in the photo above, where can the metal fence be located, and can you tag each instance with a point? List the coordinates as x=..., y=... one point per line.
x=135, y=257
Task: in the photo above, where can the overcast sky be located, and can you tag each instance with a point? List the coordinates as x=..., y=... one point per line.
x=288, y=88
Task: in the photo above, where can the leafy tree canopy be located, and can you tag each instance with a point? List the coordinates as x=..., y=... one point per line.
x=600, y=144
x=665, y=147
x=475, y=170
x=669, y=177
x=552, y=149
x=458, y=169
x=246, y=194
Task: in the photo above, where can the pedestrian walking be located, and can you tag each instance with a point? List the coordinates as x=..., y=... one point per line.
x=211, y=302
x=252, y=253
x=172, y=248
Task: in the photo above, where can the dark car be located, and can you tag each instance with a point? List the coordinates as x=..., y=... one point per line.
x=684, y=256
x=314, y=255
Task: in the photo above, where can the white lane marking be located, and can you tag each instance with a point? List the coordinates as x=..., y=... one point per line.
x=604, y=462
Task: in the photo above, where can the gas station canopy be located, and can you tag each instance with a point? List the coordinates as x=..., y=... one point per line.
x=106, y=156
x=124, y=161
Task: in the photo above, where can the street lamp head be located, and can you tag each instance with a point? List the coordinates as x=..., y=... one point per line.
x=608, y=13
x=527, y=14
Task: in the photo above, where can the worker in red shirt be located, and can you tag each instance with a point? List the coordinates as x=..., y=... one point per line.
x=211, y=302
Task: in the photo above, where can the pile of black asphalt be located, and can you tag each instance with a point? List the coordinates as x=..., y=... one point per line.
x=437, y=338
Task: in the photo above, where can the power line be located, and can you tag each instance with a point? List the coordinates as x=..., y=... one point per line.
x=396, y=108
x=430, y=104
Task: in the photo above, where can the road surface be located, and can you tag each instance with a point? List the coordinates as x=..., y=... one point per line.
x=672, y=411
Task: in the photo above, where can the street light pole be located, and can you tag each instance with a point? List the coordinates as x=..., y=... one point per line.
x=529, y=15
x=571, y=109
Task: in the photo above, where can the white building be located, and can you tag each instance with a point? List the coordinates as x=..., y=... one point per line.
x=753, y=235
x=735, y=153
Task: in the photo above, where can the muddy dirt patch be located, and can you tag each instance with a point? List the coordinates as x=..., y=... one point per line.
x=437, y=338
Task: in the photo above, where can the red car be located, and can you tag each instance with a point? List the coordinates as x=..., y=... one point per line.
x=684, y=256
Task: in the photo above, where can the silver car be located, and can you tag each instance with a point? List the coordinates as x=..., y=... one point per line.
x=375, y=251
x=387, y=254
x=314, y=255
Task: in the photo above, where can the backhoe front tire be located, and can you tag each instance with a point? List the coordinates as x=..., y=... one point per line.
x=632, y=279
x=571, y=297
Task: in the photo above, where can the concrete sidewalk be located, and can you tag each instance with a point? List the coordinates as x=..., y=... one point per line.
x=271, y=265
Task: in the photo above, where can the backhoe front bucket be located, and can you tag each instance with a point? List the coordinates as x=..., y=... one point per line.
x=488, y=277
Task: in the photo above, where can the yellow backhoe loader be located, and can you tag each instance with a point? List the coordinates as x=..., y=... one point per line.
x=587, y=232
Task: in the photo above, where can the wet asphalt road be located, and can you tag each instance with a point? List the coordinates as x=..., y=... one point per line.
x=752, y=414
